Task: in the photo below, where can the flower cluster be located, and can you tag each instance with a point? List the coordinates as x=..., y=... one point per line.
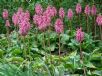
x=99, y=20
x=87, y=10
x=7, y=23
x=38, y=9
x=70, y=14
x=43, y=20
x=79, y=35
x=21, y=19
x=59, y=26
x=93, y=10
x=5, y=14
x=78, y=8
x=50, y=11
x=61, y=13
x=43, y=17
x=15, y=19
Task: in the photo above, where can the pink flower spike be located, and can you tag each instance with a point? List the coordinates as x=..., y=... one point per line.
x=38, y=9
x=61, y=13
x=50, y=11
x=15, y=19
x=79, y=35
x=35, y=19
x=20, y=10
x=99, y=20
x=24, y=28
x=78, y=8
x=93, y=10
x=27, y=14
x=5, y=14
x=70, y=14
x=7, y=23
x=87, y=10
x=43, y=22
x=59, y=26
x=54, y=11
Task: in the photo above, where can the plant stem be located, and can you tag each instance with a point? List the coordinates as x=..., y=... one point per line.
x=94, y=27
x=87, y=26
x=81, y=60
x=44, y=44
x=59, y=46
x=70, y=25
x=100, y=32
x=7, y=34
x=44, y=40
x=24, y=47
x=17, y=34
x=28, y=45
x=49, y=43
x=36, y=36
x=81, y=54
x=79, y=19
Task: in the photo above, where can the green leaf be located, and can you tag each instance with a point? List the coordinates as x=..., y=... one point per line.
x=53, y=35
x=96, y=56
x=61, y=70
x=16, y=52
x=64, y=38
x=73, y=54
x=97, y=72
x=15, y=59
x=90, y=65
x=1, y=53
x=56, y=73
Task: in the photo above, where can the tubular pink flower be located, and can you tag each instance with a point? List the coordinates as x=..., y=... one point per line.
x=15, y=19
x=5, y=14
x=99, y=20
x=70, y=14
x=93, y=10
x=38, y=9
x=78, y=8
x=61, y=13
x=7, y=23
x=87, y=10
x=79, y=35
x=59, y=26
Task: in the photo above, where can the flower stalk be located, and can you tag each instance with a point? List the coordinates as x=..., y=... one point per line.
x=81, y=59
x=59, y=46
x=100, y=32
x=24, y=47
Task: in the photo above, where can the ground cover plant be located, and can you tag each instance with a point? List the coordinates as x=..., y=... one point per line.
x=50, y=38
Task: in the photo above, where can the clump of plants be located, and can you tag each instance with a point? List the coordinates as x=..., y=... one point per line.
x=52, y=41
